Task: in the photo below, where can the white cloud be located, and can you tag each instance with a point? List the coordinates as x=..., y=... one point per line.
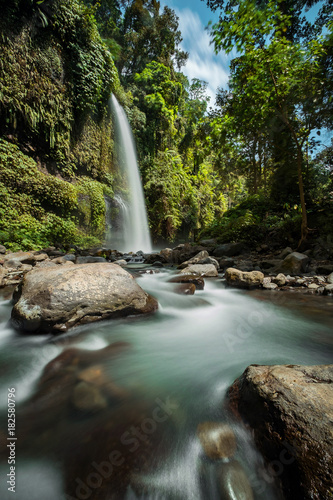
x=202, y=62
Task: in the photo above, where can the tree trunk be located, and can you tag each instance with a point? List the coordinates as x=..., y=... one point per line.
x=304, y=225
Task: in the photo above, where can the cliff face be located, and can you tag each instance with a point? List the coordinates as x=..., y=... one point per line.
x=56, y=152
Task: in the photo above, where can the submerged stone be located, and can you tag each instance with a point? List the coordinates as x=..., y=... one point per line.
x=217, y=439
x=233, y=483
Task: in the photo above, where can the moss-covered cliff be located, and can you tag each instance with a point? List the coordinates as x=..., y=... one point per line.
x=56, y=152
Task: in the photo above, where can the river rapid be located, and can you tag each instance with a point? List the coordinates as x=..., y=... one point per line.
x=170, y=373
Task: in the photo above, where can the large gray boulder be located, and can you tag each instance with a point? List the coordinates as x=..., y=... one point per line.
x=242, y=279
x=53, y=299
x=290, y=409
x=295, y=263
x=194, y=260
x=228, y=250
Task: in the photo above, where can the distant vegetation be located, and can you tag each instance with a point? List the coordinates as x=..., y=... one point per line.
x=248, y=168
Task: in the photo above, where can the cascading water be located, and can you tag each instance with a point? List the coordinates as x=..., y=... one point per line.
x=124, y=427
x=134, y=233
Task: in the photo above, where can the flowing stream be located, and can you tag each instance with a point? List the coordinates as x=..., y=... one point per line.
x=135, y=231
x=169, y=374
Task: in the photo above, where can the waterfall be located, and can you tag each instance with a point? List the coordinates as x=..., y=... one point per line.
x=134, y=234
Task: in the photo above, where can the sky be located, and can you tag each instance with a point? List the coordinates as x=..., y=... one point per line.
x=202, y=63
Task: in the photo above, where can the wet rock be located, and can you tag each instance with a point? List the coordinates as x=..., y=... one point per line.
x=269, y=264
x=217, y=440
x=2, y=249
x=233, y=483
x=194, y=260
x=54, y=299
x=93, y=375
x=228, y=250
x=295, y=263
x=3, y=273
x=212, y=242
x=289, y=408
x=167, y=255
x=56, y=253
x=197, y=281
x=325, y=268
x=70, y=257
x=225, y=263
x=158, y=264
x=328, y=290
x=121, y=262
x=329, y=279
x=185, y=289
x=270, y=286
x=185, y=252
x=80, y=358
x=313, y=286
x=89, y=260
x=45, y=263
x=153, y=257
x=87, y=397
x=245, y=265
x=205, y=270
x=280, y=279
x=210, y=260
x=241, y=279
x=285, y=252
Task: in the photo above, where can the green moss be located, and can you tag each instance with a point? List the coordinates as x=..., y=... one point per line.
x=56, y=79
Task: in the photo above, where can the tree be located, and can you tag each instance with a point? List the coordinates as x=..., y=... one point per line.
x=273, y=77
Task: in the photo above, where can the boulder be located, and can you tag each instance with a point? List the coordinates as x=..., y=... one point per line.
x=3, y=273
x=245, y=265
x=328, y=290
x=228, y=250
x=2, y=249
x=88, y=260
x=280, y=279
x=330, y=279
x=154, y=257
x=88, y=398
x=313, y=286
x=166, y=255
x=217, y=440
x=295, y=263
x=290, y=409
x=121, y=262
x=185, y=289
x=194, y=260
x=53, y=299
x=190, y=278
x=233, y=483
x=212, y=242
x=205, y=270
x=285, y=252
x=269, y=264
x=185, y=252
x=325, y=268
x=227, y=262
x=242, y=279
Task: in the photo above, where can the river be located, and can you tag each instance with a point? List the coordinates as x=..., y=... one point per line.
x=170, y=373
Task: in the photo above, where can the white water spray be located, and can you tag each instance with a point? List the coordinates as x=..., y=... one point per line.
x=135, y=231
